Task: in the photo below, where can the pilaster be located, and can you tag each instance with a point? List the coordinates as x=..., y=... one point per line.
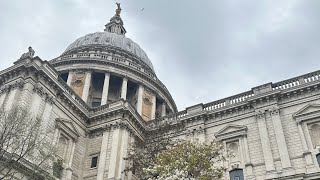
x=307, y=154
x=36, y=101
x=114, y=156
x=103, y=154
x=280, y=138
x=26, y=95
x=47, y=113
x=248, y=164
x=71, y=154
x=265, y=142
x=105, y=91
x=11, y=98
x=2, y=98
x=119, y=150
x=123, y=152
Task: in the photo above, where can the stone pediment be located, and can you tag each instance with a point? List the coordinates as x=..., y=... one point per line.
x=68, y=127
x=231, y=131
x=310, y=111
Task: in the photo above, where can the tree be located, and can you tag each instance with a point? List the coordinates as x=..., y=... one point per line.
x=190, y=160
x=144, y=153
x=26, y=150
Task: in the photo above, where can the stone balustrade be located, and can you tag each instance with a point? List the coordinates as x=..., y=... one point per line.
x=242, y=97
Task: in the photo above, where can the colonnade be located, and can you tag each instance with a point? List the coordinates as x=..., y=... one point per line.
x=123, y=92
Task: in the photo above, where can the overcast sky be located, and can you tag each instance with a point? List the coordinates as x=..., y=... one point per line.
x=202, y=50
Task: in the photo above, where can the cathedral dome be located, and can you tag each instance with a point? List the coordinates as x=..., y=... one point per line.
x=107, y=39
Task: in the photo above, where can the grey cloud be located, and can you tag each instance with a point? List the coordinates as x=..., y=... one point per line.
x=202, y=50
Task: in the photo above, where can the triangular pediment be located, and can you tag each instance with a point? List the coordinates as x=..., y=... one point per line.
x=231, y=131
x=68, y=127
x=308, y=109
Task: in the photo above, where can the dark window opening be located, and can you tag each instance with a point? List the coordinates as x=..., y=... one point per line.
x=159, y=103
x=94, y=162
x=318, y=159
x=64, y=76
x=236, y=174
x=96, y=89
x=168, y=111
x=114, y=92
x=132, y=93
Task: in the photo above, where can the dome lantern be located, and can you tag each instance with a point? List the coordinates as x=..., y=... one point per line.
x=116, y=24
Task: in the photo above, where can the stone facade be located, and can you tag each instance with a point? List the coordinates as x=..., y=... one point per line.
x=99, y=98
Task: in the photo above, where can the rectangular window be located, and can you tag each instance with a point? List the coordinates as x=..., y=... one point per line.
x=94, y=162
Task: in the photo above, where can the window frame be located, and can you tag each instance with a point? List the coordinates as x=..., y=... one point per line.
x=96, y=163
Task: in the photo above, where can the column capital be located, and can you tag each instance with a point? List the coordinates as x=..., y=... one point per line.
x=274, y=111
x=260, y=114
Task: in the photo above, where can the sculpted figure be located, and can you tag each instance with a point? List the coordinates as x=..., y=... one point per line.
x=29, y=54
x=118, y=11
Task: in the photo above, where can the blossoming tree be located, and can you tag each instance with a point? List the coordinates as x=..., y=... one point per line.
x=191, y=160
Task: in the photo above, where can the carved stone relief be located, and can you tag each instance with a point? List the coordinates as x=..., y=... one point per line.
x=77, y=83
x=147, y=105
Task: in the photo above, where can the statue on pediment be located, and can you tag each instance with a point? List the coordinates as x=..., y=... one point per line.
x=28, y=54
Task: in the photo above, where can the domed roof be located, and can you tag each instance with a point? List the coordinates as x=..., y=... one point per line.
x=110, y=39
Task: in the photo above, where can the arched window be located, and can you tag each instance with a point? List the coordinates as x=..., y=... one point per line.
x=236, y=174
x=318, y=158
x=315, y=133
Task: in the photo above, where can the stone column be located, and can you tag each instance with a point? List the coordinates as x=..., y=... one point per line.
x=86, y=87
x=154, y=107
x=265, y=142
x=163, y=109
x=281, y=141
x=105, y=91
x=139, y=101
x=69, y=80
x=124, y=88
x=103, y=155
x=306, y=153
